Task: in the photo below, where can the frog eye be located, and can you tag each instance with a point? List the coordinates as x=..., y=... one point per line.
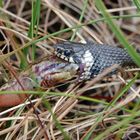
x=67, y=53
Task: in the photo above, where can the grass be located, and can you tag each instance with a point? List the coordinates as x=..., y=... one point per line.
x=118, y=33
x=94, y=111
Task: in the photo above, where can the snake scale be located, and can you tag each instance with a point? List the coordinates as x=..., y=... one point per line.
x=92, y=58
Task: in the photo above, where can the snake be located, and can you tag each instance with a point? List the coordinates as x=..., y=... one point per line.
x=91, y=57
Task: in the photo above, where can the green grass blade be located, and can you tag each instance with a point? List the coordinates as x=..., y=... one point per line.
x=33, y=28
x=119, y=35
x=1, y=3
x=124, y=89
x=117, y=126
x=57, y=123
x=137, y=3
x=81, y=18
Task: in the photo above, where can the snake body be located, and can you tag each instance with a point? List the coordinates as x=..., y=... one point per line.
x=92, y=58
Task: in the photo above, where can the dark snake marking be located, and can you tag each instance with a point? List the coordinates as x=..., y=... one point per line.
x=92, y=57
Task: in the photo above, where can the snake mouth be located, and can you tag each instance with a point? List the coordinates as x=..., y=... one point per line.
x=64, y=57
x=60, y=55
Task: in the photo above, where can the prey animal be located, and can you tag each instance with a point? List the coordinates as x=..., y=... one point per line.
x=44, y=74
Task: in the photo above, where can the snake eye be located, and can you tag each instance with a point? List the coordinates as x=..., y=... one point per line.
x=59, y=50
x=67, y=53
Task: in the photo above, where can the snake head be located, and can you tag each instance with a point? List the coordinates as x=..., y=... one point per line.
x=69, y=51
x=76, y=53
